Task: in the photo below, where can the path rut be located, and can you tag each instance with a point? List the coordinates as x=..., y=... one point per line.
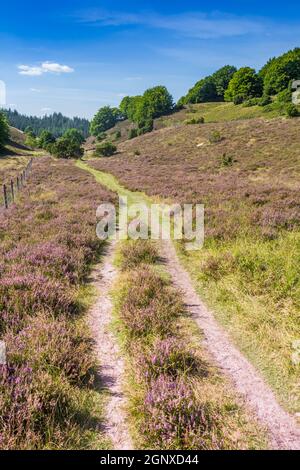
x=283, y=429
x=111, y=362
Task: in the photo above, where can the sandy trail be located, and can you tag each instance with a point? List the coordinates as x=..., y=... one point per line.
x=111, y=363
x=283, y=429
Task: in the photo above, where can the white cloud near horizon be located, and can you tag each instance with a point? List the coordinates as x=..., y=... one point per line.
x=45, y=67
x=197, y=25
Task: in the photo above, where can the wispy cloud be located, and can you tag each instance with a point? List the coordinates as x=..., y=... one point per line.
x=197, y=25
x=45, y=67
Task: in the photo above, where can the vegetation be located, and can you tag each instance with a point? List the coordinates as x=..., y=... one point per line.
x=105, y=119
x=106, y=149
x=46, y=390
x=66, y=147
x=247, y=269
x=176, y=399
x=55, y=123
x=245, y=84
x=4, y=130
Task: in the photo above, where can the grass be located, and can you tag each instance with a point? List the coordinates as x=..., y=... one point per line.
x=177, y=400
x=247, y=270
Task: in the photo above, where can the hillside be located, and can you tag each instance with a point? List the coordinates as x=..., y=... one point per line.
x=247, y=174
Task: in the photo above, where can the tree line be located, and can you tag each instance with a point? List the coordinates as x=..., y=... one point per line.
x=270, y=86
x=56, y=123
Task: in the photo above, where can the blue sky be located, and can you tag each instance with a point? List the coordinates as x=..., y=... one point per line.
x=75, y=56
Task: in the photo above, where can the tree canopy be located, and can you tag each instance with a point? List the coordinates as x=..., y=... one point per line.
x=278, y=72
x=4, y=129
x=55, y=123
x=105, y=119
x=245, y=83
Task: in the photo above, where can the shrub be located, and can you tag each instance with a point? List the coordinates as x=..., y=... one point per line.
x=100, y=137
x=173, y=419
x=118, y=135
x=66, y=148
x=291, y=110
x=132, y=133
x=136, y=252
x=226, y=160
x=105, y=119
x=215, y=137
x=106, y=149
x=238, y=99
x=168, y=357
x=137, y=153
x=150, y=304
x=198, y=120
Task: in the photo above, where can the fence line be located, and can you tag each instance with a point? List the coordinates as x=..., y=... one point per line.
x=10, y=191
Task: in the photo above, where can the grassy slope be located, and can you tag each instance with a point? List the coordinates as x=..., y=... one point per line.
x=248, y=270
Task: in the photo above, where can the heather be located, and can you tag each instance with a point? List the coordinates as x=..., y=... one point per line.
x=248, y=179
x=177, y=400
x=48, y=244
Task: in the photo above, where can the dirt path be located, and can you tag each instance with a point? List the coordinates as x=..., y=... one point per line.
x=111, y=362
x=283, y=429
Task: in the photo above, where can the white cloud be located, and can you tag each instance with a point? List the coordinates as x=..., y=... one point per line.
x=32, y=71
x=45, y=110
x=35, y=90
x=56, y=68
x=45, y=67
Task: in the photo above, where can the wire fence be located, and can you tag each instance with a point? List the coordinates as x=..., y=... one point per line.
x=11, y=190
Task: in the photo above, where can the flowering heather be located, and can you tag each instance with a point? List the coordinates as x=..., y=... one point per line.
x=151, y=305
x=173, y=419
x=134, y=253
x=48, y=243
x=170, y=357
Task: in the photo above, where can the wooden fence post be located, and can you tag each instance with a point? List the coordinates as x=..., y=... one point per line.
x=18, y=184
x=5, y=197
x=12, y=190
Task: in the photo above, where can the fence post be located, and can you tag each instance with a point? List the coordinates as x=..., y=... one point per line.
x=18, y=184
x=12, y=190
x=5, y=197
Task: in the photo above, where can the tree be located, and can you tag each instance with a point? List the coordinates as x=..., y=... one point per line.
x=75, y=136
x=280, y=71
x=56, y=123
x=221, y=79
x=158, y=101
x=45, y=139
x=66, y=148
x=245, y=84
x=4, y=130
x=105, y=119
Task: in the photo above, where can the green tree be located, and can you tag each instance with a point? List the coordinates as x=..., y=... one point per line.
x=66, y=148
x=45, y=139
x=203, y=91
x=280, y=71
x=158, y=101
x=74, y=135
x=4, y=130
x=105, y=119
x=245, y=84
x=221, y=79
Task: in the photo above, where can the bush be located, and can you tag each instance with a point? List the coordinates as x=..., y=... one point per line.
x=173, y=418
x=106, y=149
x=64, y=147
x=136, y=252
x=118, y=135
x=226, y=160
x=132, y=133
x=238, y=99
x=215, y=137
x=291, y=110
x=100, y=137
x=198, y=120
x=168, y=357
x=105, y=119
